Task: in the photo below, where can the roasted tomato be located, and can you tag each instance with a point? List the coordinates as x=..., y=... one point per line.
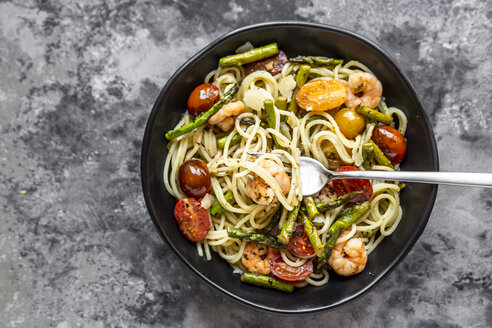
x=345, y=186
x=321, y=95
x=299, y=243
x=391, y=142
x=192, y=218
x=273, y=64
x=202, y=98
x=285, y=272
x=350, y=122
x=194, y=179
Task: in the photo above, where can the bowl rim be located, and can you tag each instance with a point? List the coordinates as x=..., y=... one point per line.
x=408, y=246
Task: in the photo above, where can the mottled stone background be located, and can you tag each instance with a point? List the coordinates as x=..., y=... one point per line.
x=77, y=82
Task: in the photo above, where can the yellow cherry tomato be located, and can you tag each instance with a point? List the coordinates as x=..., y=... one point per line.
x=350, y=123
x=321, y=95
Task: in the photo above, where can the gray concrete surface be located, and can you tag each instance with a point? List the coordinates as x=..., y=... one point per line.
x=77, y=82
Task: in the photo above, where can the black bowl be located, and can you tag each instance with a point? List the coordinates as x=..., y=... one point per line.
x=295, y=38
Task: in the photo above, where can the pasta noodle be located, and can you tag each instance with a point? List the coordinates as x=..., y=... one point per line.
x=316, y=134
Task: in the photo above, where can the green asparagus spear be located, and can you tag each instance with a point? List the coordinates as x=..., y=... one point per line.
x=302, y=75
x=367, y=156
x=288, y=226
x=249, y=56
x=217, y=209
x=312, y=234
x=310, y=207
x=379, y=156
x=292, y=105
x=281, y=103
x=301, y=78
x=374, y=114
x=203, y=118
x=266, y=281
x=273, y=221
x=234, y=141
x=259, y=238
x=342, y=223
x=337, y=202
x=316, y=60
x=271, y=118
x=270, y=113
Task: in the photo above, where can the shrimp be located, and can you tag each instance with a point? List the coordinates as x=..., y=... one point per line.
x=257, y=258
x=226, y=124
x=260, y=191
x=225, y=117
x=363, y=88
x=348, y=257
x=327, y=193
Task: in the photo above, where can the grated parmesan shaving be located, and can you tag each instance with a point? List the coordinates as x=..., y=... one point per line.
x=286, y=86
x=254, y=98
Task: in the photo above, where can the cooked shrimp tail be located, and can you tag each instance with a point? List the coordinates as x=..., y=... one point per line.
x=257, y=258
x=348, y=257
x=259, y=191
x=363, y=88
x=226, y=116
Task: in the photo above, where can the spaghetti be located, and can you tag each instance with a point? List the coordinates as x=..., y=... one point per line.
x=314, y=134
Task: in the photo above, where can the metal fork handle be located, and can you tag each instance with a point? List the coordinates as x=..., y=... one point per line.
x=450, y=178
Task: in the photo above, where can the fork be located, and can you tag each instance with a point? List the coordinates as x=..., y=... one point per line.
x=314, y=176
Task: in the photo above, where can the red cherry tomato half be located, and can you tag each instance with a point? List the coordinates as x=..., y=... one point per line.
x=345, y=186
x=203, y=98
x=192, y=218
x=194, y=179
x=299, y=243
x=391, y=142
x=285, y=272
